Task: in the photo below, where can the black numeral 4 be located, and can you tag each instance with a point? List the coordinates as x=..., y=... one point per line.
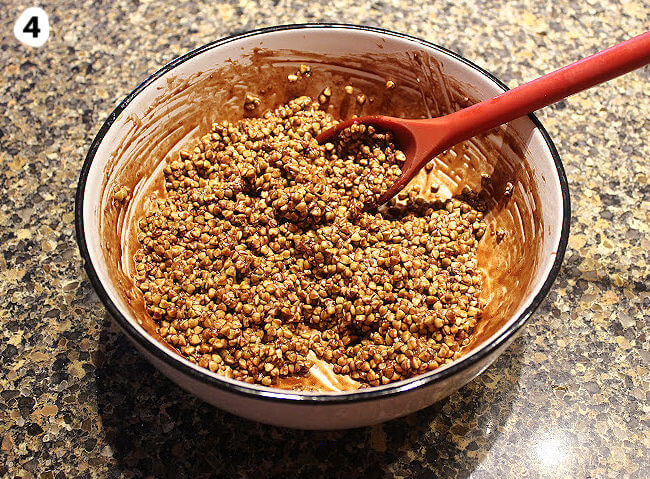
x=32, y=27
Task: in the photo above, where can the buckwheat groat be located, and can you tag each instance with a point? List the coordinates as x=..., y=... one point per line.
x=261, y=257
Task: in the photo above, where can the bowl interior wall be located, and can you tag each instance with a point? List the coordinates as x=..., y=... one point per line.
x=180, y=105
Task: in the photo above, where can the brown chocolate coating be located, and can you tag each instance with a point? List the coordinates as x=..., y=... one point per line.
x=187, y=107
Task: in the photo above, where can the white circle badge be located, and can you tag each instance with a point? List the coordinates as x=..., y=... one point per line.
x=32, y=27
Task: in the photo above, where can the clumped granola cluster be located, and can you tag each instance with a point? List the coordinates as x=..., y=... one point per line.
x=261, y=255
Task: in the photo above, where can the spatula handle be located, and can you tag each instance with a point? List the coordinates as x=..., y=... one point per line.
x=551, y=88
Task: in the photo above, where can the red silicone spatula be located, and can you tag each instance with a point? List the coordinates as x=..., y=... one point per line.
x=421, y=140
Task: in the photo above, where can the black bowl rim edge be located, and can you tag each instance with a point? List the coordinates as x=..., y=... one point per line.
x=369, y=394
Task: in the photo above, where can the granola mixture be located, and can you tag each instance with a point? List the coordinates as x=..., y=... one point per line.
x=261, y=257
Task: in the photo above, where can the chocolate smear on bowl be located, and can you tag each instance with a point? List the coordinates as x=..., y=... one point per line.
x=187, y=108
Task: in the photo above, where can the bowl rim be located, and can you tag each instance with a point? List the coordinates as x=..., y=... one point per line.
x=277, y=395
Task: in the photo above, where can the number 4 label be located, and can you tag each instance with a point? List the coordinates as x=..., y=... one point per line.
x=32, y=27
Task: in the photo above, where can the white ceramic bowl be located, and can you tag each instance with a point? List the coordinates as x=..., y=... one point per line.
x=208, y=84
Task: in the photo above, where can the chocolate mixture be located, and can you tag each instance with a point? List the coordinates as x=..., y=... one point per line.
x=261, y=258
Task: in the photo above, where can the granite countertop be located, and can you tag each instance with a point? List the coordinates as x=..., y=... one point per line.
x=568, y=399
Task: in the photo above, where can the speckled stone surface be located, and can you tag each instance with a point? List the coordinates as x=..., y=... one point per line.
x=568, y=399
